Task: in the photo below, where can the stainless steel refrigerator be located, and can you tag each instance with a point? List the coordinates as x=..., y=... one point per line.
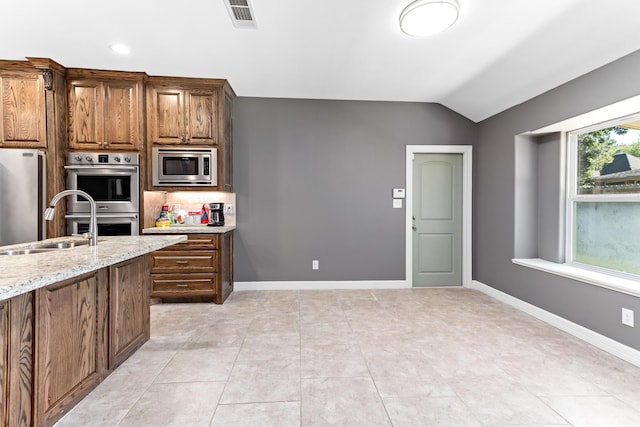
x=22, y=195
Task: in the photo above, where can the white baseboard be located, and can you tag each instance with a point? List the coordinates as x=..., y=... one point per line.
x=620, y=350
x=328, y=285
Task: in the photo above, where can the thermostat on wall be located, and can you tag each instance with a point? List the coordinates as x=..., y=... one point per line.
x=398, y=193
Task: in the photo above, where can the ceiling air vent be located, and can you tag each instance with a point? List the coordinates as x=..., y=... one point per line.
x=241, y=13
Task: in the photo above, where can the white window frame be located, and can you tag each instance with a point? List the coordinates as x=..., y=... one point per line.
x=573, y=196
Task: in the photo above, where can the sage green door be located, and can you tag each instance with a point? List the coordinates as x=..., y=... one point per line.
x=437, y=220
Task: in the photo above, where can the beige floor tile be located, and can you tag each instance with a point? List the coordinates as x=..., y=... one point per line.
x=199, y=364
x=110, y=401
x=342, y=401
x=430, y=411
x=594, y=411
x=270, y=346
x=176, y=404
x=276, y=414
x=499, y=400
x=327, y=333
x=263, y=381
x=338, y=366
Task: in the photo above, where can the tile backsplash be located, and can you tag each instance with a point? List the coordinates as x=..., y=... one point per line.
x=188, y=200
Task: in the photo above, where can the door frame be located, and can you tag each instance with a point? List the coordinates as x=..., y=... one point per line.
x=467, y=189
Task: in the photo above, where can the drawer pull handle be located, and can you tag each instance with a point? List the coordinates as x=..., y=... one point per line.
x=182, y=262
x=182, y=285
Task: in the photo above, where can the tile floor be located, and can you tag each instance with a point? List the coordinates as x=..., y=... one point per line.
x=411, y=357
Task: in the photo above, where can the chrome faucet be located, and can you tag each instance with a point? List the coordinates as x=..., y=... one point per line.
x=92, y=235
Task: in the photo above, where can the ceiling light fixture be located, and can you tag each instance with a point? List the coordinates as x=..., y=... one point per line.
x=427, y=17
x=120, y=48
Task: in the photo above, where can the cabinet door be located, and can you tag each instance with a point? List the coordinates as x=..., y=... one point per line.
x=16, y=357
x=166, y=116
x=121, y=115
x=201, y=123
x=22, y=112
x=85, y=115
x=71, y=356
x=129, y=308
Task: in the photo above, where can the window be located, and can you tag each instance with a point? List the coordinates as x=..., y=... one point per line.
x=603, y=188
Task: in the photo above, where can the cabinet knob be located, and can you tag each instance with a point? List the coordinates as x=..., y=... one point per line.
x=182, y=285
x=182, y=262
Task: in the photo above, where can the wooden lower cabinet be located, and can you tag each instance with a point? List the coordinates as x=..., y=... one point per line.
x=128, y=309
x=16, y=361
x=84, y=328
x=71, y=353
x=200, y=268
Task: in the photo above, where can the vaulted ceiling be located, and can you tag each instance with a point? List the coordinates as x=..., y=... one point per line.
x=499, y=53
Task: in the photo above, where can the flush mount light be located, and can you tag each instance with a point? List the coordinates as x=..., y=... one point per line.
x=120, y=48
x=427, y=17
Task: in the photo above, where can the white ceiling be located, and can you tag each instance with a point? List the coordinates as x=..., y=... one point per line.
x=499, y=53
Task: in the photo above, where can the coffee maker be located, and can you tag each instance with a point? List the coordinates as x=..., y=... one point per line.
x=216, y=214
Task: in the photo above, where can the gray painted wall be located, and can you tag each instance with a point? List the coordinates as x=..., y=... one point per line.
x=313, y=180
x=593, y=307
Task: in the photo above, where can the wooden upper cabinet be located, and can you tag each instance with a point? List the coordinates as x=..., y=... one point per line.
x=22, y=111
x=167, y=111
x=202, y=117
x=105, y=112
x=85, y=105
x=183, y=116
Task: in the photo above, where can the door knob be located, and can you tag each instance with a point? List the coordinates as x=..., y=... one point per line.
x=413, y=228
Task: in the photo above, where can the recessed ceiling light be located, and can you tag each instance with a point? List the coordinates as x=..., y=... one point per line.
x=120, y=48
x=427, y=17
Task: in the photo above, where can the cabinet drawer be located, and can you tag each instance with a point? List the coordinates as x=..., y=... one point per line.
x=196, y=241
x=176, y=285
x=186, y=261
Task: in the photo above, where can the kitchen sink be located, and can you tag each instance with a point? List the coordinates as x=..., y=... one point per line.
x=25, y=251
x=62, y=245
x=47, y=247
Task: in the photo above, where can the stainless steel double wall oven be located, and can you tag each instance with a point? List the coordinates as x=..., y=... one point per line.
x=113, y=180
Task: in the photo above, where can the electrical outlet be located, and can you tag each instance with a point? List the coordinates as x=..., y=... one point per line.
x=627, y=317
x=228, y=209
x=315, y=264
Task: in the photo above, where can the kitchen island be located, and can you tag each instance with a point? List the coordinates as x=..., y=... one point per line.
x=68, y=317
x=24, y=273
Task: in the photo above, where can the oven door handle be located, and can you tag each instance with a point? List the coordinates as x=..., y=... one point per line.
x=114, y=215
x=124, y=168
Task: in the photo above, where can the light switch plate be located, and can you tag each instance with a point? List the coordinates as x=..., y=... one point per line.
x=397, y=203
x=627, y=317
x=398, y=193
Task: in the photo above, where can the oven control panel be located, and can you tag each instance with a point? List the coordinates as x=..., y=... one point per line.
x=103, y=159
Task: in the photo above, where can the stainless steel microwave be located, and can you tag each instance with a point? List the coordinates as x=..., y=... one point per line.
x=184, y=166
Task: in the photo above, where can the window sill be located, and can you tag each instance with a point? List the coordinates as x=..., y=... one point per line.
x=620, y=284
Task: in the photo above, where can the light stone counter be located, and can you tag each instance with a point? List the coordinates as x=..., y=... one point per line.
x=180, y=228
x=20, y=274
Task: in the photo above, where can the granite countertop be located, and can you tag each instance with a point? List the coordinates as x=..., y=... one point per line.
x=183, y=228
x=20, y=274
